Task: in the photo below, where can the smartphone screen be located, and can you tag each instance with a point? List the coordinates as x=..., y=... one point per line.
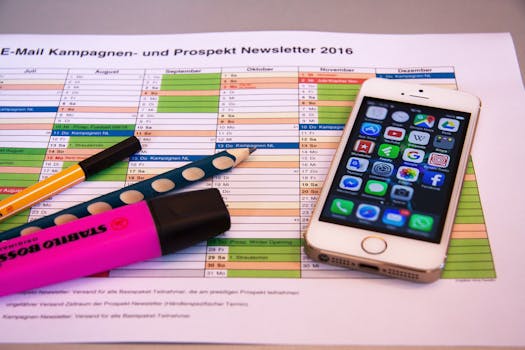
x=398, y=169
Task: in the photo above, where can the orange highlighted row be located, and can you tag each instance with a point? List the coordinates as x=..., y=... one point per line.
x=263, y=265
x=265, y=80
x=80, y=109
x=469, y=231
x=320, y=145
x=154, y=133
x=331, y=81
x=65, y=158
x=31, y=86
x=260, y=86
x=336, y=75
x=311, y=191
x=264, y=212
x=26, y=126
x=69, y=154
x=327, y=103
x=232, y=121
x=311, y=185
x=182, y=93
x=86, y=152
x=19, y=170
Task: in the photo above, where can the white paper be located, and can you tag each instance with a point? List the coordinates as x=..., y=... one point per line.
x=352, y=309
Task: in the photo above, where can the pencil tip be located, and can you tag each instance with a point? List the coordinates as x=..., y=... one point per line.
x=252, y=149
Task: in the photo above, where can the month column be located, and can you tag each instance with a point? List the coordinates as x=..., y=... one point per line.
x=29, y=100
x=259, y=108
x=177, y=124
x=98, y=109
x=327, y=96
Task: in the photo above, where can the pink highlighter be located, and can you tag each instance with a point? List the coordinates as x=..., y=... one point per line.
x=118, y=237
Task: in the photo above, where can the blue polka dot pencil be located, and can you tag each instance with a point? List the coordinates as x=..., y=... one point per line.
x=159, y=185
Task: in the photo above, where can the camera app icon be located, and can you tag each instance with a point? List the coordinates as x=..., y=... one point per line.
x=402, y=193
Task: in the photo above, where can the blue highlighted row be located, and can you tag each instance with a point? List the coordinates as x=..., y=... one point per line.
x=259, y=145
x=449, y=75
x=28, y=109
x=165, y=158
x=321, y=127
x=92, y=133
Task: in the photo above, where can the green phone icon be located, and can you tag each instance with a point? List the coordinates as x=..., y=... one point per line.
x=421, y=222
x=342, y=207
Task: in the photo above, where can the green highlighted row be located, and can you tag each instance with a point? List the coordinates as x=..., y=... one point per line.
x=191, y=77
x=198, y=99
x=95, y=127
x=13, y=221
x=102, y=142
x=469, y=258
x=337, y=92
x=264, y=273
x=188, y=109
x=22, y=160
x=16, y=151
x=268, y=257
x=5, y=178
x=255, y=242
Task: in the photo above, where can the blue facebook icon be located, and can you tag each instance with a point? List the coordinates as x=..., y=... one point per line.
x=433, y=178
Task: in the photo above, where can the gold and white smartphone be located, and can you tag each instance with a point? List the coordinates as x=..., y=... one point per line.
x=389, y=199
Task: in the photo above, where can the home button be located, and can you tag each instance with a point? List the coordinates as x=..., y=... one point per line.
x=373, y=245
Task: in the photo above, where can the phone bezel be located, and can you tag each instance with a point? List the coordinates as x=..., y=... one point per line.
x=344, y=241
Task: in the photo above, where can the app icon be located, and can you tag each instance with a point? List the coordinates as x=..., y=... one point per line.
x=419, y=137
x=370, y=129
x=407, y=173
x=357, y=164
x=388, y=151
x=400, y=116
x=350, y=183
x=395, y=217
x=376, y=112
x=439, y=160
x=394, y=133
x=402, y=193
x=364, y=146
x=424, y=120
x=376, y=188
x=421, y=222
x=433, y=178
x=413, y=155
x=341, y=207
x=444, y=142
x=382, y=169
x=367, y=212
x=447, y=124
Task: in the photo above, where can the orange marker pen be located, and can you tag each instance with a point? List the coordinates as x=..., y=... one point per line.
x=68, y=177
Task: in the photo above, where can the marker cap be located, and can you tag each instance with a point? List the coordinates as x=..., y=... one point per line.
x=109, y=156
x=189, y=218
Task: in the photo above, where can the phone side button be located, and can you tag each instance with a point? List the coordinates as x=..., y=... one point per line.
x=373, y=245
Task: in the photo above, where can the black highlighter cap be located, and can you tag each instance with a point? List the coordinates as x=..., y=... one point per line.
x=110, y=156
x=187, y=218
